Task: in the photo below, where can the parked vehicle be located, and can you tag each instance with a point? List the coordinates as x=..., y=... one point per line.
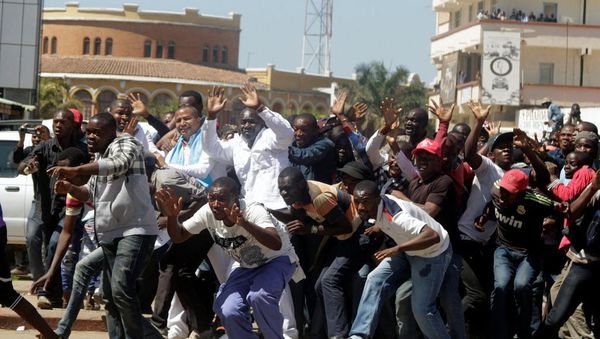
x=16, y=191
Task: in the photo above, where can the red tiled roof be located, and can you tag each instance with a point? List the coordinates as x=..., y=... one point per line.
x=141, y=67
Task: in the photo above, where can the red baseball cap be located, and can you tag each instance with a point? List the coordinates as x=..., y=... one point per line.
x=77, y=116
x=514, y=181
x=429, y=146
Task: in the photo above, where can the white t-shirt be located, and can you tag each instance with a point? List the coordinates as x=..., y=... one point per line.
x=238, y=242
x=481, y=194
x=407, y=221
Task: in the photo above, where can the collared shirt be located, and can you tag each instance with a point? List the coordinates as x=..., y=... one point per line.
x=404, y=221
x=256, y=167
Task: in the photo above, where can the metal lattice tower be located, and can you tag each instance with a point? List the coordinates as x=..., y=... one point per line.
x=316, y=47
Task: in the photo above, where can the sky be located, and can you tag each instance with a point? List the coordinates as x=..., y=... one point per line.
x=397, y=32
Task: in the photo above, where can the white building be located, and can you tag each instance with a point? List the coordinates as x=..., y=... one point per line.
x=559, y=60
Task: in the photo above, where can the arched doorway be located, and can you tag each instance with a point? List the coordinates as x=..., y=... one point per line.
x=104, y=99
x=86, y=98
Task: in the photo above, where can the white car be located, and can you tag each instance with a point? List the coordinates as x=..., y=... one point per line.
x=16, y=191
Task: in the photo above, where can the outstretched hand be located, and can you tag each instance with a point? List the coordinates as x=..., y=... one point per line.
x=250, y=98
x=139, y=108
x=390, y=114
x=440, y=112
x=215, y=102
x=338, y=104
x=234, y=215
x=360, y=110
x=479, y=111
x=131, y=126
x=170, y=205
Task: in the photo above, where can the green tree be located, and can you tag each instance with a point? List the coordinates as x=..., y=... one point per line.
x=54, y=95
x=374, y=82
x=161, y=107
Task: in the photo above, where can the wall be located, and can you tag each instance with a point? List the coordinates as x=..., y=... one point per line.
x=129, y=38
x=18, y=49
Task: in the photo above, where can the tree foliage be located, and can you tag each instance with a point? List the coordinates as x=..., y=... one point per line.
x=374, y=82
x=54, y=95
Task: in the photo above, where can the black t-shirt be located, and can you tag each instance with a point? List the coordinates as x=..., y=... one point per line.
x=47, y=152
x=520, y=225
x=439, y=191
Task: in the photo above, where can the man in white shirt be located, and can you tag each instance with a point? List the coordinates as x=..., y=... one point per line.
x=477, y=274
x=258, y=153
x=258, y=244
x=422, y=254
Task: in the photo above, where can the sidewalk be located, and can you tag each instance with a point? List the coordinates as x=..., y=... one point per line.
x=9, y=320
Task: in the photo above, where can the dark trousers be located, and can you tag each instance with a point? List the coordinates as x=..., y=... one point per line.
x=477, y=279
x=303, y=292
x=148, y=281
x=579, y=286
x=345, y=259
x=178, y=274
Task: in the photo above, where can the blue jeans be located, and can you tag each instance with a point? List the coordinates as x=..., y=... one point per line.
x=124, y=260
x=85, y=270
x=514, y=273
x=427, y=275
x=35, y=238
x=259, y=288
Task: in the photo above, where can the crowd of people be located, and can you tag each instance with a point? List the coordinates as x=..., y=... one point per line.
x=515, y=15
x=309, y=228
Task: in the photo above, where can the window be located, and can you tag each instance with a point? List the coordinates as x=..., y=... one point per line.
x=547, y=73
x=108, y=46
x=224, y=55
x=86, y=46
x=205, y=51
x=215, y=56
x=147, y=48
x=550, y=9
x=8, y=169
x=97, y=45
x=457, y=18
x=470, y=13
x=159, y=49
x=480, y=6
x=45, y=45
x=171, y=50
x=53, y=45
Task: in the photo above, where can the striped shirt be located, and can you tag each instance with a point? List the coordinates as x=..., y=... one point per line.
x=520, y=224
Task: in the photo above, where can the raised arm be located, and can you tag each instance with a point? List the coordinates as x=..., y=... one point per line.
x=542, y=176
x=481, y=114
x=444, y=116
x=170, y=206
x=139, y=109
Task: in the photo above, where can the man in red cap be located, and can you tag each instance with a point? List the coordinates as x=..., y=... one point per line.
x=520, y=213
x=433, y=191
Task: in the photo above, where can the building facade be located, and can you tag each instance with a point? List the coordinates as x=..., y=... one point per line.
x=107, y=53
x=559, y=44
x=19, y=35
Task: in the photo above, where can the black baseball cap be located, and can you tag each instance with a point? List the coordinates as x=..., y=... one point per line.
x=499, y=139
x=357, y=170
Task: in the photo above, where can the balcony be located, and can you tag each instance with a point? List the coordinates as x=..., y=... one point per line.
x=537, y=34
x=532, y=94
x=446, y=5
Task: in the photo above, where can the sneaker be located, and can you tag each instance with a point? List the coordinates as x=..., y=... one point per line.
x=44, y=303
x=19, y=271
